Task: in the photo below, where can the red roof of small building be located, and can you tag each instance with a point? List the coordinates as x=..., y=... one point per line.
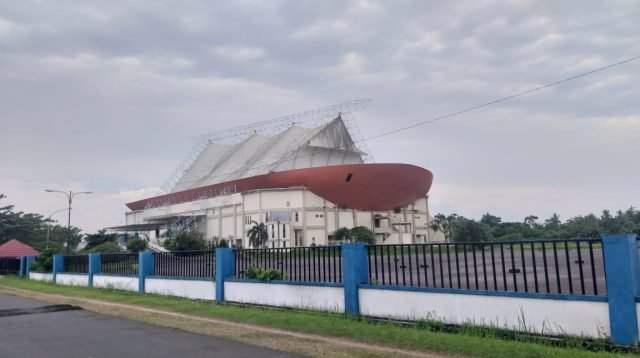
x=14, y=248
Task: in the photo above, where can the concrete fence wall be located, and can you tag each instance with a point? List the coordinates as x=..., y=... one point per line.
x=200, y=289
x=615, y=315
x=541, y=315
x=125, y=283
x=320, y=297
x=41, y=276
x=72, y=279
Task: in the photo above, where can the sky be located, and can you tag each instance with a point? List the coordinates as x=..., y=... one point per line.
x=107, y=96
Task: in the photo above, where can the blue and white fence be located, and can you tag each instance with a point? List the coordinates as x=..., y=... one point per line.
x=559, y=287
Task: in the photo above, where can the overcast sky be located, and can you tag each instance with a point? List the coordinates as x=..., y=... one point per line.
x=107, y=96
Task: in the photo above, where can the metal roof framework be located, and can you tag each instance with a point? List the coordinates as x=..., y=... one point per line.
x=229, y=139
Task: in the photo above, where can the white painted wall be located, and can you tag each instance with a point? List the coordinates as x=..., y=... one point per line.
x=282, y=295
x=116, y=282
x=39, y=276
x=72, y=280
x=196, y=289
x=553, y=316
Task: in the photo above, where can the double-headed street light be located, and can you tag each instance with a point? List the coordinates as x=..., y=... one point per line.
x=70, y=196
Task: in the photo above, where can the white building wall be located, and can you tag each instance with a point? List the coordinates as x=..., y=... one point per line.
x=345, y=219
x=314, y=218
x=296, y=296
x=194, y=289
x=541, y=315
x=311, y=200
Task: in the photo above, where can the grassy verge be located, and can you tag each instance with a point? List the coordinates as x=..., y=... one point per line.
x=465, y=343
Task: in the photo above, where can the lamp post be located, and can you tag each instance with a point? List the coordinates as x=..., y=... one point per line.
x=70, y=196
x=49, y=222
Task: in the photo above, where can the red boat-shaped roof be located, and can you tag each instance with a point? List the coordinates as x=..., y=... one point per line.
x=366, y=187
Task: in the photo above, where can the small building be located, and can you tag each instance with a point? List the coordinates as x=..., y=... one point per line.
x=10, y=253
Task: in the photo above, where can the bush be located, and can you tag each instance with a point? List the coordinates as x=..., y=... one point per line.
x=137, y=244
x=223, y=243
x=44, y=262
x=259, y=273
x=185, y=241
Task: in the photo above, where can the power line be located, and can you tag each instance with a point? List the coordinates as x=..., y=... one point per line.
x=446, y=116
x=469, y=109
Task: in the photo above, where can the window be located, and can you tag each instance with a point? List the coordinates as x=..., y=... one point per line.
x=284, y=231
x=247, y=220
x=397, y=210
x=297, y=218
x=376, y=222
x=273, y=231
x=284, y=244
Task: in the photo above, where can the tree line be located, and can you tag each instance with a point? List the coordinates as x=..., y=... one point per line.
x=33, y=229
x=457, y=228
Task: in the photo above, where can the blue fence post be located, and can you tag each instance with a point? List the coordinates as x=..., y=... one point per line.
x=95, y=263
x=23, y=260
x=621, y=269
x=29, y=260
x=58, y=265
x=146, y=267
x=225, y=267
x=355, y=271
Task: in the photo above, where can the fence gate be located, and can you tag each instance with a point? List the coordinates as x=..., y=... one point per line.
x=9, y=266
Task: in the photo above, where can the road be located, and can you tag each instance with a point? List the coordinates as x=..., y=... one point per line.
x=69, y=332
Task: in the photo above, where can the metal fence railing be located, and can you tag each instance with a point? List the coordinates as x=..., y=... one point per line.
x=200, y=263
x=302, y=264
x=76, y=263
x=119, y=264
x=559, y=266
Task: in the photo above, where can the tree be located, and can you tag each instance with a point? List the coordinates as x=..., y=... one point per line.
x=223, y=243
x=530, y=221
x=490, y=220
x=363, y=234
x=99, y=238
x=467, y=230
x=137, y=244
x=258, y=234
x=553, y=222
x=343, y=234
x=107, y=248
x=445, y=224
x=185, y=241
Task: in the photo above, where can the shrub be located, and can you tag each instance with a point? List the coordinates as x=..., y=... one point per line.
x=185, y=241
x=44, y=262
x=259, y=273
x=223, y=243
x=137, y=244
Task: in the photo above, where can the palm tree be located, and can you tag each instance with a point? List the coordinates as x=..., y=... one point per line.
x=258, y=234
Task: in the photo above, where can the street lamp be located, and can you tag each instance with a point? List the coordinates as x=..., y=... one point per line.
x=70, y=196
x=49, y=223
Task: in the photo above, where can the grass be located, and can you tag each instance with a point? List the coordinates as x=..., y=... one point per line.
x=466, y=342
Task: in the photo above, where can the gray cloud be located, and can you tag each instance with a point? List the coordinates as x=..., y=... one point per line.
x=106, y=95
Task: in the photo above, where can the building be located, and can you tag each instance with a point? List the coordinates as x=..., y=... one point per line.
x=302, y=182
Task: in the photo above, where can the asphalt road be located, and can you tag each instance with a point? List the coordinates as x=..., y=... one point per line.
x=83, y=334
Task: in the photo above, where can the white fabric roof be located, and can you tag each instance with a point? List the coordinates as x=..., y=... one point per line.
x=295, y=148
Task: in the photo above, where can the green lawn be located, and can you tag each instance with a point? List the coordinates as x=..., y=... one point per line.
x=468, y=343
